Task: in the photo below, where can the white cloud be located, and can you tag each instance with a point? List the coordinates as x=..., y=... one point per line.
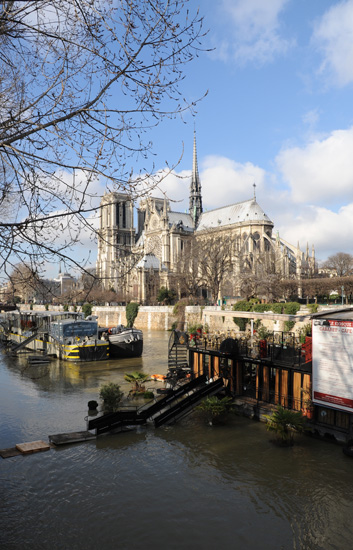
x=333, y=36
x=225, y=181
x=256, y=31
x=330, y=232
x=322, y=171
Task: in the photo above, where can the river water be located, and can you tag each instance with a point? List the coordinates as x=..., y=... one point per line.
x=186, y=486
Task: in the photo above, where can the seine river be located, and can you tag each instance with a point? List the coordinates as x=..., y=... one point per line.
x=186, y=486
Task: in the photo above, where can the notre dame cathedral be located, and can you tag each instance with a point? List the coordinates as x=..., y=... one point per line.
x=167, y=245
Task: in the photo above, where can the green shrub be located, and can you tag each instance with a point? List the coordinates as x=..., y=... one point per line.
x=131, y=313
x=87, y=309
x=243, y=305
x=291, y=308
x=166, y=295
x=261, y=308
x=241, y=322
x=288, y=325
x=111, y=396
x=215, y=409
x=277, y=308
x=313, y=308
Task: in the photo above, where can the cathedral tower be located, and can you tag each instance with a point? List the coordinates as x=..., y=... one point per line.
x=195, y=204
x=116, y=236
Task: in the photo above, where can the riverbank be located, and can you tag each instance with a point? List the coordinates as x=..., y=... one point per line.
x=216, y=318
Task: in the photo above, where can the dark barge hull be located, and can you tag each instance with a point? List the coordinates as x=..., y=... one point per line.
x=126, y=344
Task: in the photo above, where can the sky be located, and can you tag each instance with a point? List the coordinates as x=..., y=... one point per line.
x=278, y=113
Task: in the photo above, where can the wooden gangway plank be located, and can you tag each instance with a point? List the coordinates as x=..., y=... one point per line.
x=72, y=437
x=33, y=447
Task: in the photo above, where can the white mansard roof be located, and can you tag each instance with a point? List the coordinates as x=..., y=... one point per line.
x=150, y=261
x=183, y=217
x=247, y=211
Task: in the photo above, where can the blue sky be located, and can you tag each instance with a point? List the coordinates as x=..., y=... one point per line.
x=279, y=112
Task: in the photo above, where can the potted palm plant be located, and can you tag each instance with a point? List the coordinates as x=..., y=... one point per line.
x=285, y=423
x=137, y=379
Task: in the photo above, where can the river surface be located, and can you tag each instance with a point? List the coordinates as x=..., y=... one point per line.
x=186, y=486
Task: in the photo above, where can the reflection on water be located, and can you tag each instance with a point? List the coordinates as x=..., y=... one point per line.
x=182, y=486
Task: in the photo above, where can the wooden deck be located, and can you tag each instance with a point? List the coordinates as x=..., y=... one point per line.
x=33, y=447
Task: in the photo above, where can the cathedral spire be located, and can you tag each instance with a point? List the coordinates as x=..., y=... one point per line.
x=195, y=204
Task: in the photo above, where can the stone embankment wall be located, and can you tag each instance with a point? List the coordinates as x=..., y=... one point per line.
x=163, y=318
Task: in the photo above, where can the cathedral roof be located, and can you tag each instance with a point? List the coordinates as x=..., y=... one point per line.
x=247, y=211
x=150, y=261
x=184, y=218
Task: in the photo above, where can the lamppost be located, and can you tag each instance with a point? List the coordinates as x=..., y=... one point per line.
x=342, y=288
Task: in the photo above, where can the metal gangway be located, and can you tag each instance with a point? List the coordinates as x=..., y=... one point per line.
x=166, y=410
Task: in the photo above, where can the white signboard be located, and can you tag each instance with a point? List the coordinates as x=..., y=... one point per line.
x=332, y=378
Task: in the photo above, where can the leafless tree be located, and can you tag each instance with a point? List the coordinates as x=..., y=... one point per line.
x=190, y=279
x=24, y=282
x=341, y=263
x=215, y=260
x=82, y=83
x=288, y=289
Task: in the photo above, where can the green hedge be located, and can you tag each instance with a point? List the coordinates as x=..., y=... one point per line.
x=243, y=305
x=289, y=308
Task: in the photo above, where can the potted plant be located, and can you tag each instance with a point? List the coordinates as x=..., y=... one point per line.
x=111, y=395
x=285, y=423
x=192, y=334
x=137, y=379
x=215, y=410
x=307, y=408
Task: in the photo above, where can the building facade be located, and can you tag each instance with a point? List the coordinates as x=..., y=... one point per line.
x=163, y=247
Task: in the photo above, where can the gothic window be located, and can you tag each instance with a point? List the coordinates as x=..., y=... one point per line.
x=267, y=246
x=245, y=246
x=256, y=241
